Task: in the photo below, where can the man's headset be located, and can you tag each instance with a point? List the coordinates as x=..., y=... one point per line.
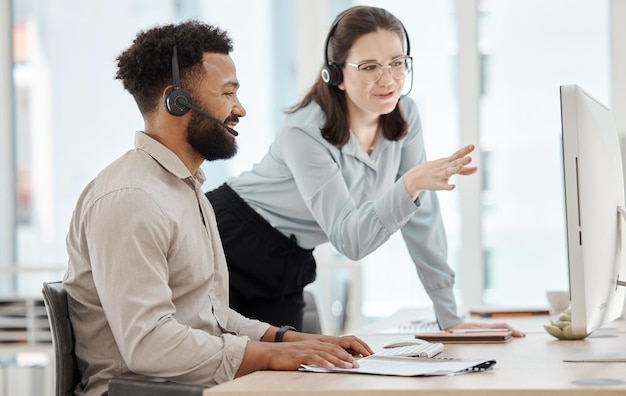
x=331, y=71
x=178, y=101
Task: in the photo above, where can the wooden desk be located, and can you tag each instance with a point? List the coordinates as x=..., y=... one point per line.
x=525, y=366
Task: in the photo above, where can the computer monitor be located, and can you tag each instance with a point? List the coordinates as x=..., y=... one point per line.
x=594, y=209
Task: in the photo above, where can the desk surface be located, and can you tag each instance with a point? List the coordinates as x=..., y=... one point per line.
x=525, y=366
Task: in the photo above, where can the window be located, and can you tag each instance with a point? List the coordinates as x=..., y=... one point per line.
x=523, y=225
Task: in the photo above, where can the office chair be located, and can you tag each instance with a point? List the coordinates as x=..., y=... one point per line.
x=67, y=375
x=311, y=321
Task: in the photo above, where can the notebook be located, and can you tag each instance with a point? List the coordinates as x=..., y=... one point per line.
x=508, y=312
x=468, y=336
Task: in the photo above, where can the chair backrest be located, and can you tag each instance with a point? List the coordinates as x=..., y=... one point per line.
x=311, y=322
x=67, y=375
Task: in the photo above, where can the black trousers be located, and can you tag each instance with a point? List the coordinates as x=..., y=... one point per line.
x=267, y=270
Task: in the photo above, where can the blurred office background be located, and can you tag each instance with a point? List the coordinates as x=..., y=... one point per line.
x=485, y=72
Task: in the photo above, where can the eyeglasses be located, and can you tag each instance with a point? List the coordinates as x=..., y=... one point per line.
x=370, y=72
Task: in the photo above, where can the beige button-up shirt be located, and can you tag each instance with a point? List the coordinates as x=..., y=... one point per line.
x=147, y=278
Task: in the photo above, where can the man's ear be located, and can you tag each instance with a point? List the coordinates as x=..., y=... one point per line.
x=166, y=90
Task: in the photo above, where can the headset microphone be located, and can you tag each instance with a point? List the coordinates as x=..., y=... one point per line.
x=183, y=102
x=178, y=101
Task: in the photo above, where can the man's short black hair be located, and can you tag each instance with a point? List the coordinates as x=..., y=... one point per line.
x=145, y=68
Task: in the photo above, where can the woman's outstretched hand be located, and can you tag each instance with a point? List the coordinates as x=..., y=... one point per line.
x=435, y=175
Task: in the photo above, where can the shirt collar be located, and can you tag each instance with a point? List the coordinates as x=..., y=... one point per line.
x=352, y=148
x=166, y=158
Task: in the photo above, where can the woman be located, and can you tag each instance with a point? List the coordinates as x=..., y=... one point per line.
x=348, y=166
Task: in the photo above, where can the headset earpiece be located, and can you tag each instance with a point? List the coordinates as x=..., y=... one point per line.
x=173, y=103
x=332, y=74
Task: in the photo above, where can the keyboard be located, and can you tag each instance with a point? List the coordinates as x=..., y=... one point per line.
x=414, y=328
x=427, y=350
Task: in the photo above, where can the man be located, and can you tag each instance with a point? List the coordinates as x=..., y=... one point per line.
x=147, y=279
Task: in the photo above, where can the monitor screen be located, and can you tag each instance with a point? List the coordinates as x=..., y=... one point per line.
x=594, y=210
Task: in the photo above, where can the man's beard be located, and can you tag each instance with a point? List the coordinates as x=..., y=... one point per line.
x=209, y=139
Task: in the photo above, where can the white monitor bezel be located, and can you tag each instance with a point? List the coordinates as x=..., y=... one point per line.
x=594, y=190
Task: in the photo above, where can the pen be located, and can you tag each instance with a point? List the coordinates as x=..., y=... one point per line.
x=464, y=331
x=506, y=314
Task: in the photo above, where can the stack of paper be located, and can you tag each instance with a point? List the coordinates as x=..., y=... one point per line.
x=409, y=366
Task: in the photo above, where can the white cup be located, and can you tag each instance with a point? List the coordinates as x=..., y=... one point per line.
x=558, y=300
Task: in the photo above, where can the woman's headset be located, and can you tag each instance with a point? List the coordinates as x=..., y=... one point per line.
x=331, y=71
